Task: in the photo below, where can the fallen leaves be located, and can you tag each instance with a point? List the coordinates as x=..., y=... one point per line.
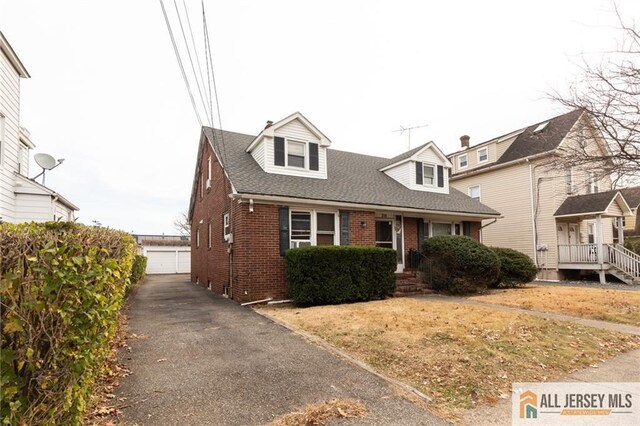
x=320, y=414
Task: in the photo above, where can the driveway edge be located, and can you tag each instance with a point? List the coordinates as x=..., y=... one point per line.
x=332, y=349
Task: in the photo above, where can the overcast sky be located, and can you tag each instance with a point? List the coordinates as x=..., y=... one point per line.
x=107, y=94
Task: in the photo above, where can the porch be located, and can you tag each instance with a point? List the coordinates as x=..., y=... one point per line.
x=611, y=259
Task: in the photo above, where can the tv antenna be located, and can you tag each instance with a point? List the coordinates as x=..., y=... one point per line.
x=408, y=130
x=47, y=162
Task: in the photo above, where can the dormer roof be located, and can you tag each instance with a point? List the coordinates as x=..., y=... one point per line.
x=6, y=48
x=412, y=155
x=272, y=129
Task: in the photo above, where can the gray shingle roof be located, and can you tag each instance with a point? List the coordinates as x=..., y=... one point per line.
x=529, y=143
x=588, y=203
x=404, y=155
x=352, y=178
x=631, y=196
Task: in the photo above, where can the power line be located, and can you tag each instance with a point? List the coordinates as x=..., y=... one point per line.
x=213, y=78
x=193, y=68
x=184, y=75
x=195, y=50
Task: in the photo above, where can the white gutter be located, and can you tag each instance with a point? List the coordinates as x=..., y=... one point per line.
x=280, y=199
x=498, y=166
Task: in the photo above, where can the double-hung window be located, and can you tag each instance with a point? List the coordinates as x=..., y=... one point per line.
x=226, y=225
x=463, y=161
x=312, y=228
x=428, y=174
x=483, y=155
x=592, y=183
x=296, y=154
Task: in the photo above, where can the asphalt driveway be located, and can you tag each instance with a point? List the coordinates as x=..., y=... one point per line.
x=200, y=359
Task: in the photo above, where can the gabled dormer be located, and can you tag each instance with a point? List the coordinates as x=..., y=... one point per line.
x=292, y=146
x=424, y=168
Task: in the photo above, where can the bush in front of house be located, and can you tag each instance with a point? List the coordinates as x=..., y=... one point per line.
x=139, y=268
x=338, y=274
x=460, y=265
x=516, y=268
x=63, y=285
x=633, y=244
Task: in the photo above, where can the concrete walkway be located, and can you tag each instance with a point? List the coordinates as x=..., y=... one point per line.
x=604, y=325
x=199, y=359
x=623, y=368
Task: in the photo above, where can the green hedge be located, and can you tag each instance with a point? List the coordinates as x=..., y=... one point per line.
x=460, y=265
x=633, y=244
x=338, y=274
x=139, y=269
x=516, y=268
x=62, y=288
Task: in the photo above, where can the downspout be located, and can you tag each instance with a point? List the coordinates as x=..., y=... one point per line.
x=533, y=215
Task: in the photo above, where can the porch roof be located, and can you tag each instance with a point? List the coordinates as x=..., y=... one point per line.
x=600, y=203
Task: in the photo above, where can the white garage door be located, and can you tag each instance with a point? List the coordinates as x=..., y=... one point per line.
x=184, y=262
x=161, y=262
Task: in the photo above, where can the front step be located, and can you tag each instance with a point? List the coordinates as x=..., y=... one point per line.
x=624, y=277
x=408, y=284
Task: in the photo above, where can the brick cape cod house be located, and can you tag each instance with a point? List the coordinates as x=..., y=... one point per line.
x=253, y=197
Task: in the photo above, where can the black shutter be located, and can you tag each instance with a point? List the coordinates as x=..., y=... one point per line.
x=440, y=176
x=284, y=229
x=313, y=156
x=466, y=229
x=344, y=228
x=420, y=233
x=418, y=172
x=278, y=158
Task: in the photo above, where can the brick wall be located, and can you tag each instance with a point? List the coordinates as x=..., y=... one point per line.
x=359, y=235
x=210, y=264
x=410, y=236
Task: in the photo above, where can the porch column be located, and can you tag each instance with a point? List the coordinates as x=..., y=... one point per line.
x=620, y=231
x=600, y=249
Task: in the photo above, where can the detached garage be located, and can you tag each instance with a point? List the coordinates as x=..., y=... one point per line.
x=167, y=257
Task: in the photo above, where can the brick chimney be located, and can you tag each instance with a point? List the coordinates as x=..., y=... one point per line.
x=464, y=141
x=269, y=124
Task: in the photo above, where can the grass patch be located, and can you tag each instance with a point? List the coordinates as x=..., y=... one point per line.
x=621, y=306
x=320, y=414
x=459, y=355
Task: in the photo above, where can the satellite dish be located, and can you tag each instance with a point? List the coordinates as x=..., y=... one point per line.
x=45, y=161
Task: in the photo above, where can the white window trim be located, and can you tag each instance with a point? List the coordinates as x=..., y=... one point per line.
x=226, y=224
x=435, y=175
x=286, y=154
x=209, y=168
x=479, y=191
x=198, y=238
x=486, y=149
x=2, y=137
x=593, y=183
x=209, y=235
x=466, y=157
x=314, y=225
x=452, y=228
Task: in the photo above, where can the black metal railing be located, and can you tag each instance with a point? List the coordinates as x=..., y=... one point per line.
x=419, y=262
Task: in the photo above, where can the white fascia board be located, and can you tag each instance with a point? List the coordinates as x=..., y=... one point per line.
x=279, y=199
x=626, y=210
x=270, y=131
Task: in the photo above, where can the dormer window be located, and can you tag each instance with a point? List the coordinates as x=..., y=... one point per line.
x=296, y=154
x=483, y=155
x=463, y=161
x=429, y=172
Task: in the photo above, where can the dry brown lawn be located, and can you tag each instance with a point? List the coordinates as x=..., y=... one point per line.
x=322, y=413
x=621, y=306
x=459, y=355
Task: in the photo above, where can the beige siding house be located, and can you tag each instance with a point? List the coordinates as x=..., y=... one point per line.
x=564, y=218
x=21, y=198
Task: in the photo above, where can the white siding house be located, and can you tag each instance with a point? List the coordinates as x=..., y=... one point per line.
x=21, y=199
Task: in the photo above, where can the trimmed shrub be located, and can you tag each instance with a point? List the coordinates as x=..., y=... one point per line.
x=516, y=268
x=139, y=269
x=62, y=288
x=460, y=265
x=633, y=244
x=338, y=274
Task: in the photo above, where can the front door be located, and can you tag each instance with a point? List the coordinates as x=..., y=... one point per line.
x=389, y=235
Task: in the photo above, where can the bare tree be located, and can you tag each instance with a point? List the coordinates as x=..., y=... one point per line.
x=609, y=93
x=182, y=225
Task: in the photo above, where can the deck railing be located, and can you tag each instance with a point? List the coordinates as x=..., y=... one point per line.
x=578, y=253
x=623, y=259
